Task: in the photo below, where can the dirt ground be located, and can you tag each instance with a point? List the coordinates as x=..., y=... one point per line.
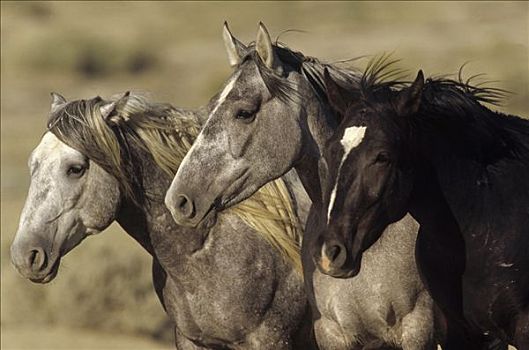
x=58, y=338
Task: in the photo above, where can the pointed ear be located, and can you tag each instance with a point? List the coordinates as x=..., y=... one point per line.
x=112, y=108
x=263, y=46
x=57, y=101
x=339, y=98
x=409, y=99
x=235, y=49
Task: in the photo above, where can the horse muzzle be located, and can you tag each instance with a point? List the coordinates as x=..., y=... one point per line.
x=333, y=260
x=34, y=263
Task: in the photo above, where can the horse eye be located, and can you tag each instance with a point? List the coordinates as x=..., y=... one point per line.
x=382, y=157
x=76, y=171
x=245, y=116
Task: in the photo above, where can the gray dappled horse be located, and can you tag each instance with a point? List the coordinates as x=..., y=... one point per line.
x=223, y=285
x=273, y=115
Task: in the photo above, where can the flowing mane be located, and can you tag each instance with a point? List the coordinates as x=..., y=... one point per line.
x=455, y=107
x=310, y=67
x=167, y=134
x=482, y=133
x=381, y=73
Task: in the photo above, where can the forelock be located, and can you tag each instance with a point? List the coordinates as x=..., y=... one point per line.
x=277, y=85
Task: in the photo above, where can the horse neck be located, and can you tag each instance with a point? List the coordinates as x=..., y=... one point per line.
x=428, y=204
x=463, y=180
x=150, y=222
x=319, y=126
x=440, y=247
x=300, y=199
x=133, y=220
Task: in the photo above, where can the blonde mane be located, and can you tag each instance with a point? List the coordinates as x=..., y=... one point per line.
x=167, y=134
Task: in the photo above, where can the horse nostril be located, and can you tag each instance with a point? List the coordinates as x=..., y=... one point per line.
x=185, y=206
x=332, y=252
x=37, y=259
x=335, y=253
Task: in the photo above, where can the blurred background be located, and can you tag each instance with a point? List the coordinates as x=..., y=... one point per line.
x=103, y=296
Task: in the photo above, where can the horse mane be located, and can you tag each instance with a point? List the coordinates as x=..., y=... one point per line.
x=457, y=106
x=381, y=73
x=311, y=68
x=167, y=133
x=485, y=134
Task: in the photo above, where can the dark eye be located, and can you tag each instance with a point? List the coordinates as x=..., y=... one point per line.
x=76, y=171
x=382, y=157
x=245, y=116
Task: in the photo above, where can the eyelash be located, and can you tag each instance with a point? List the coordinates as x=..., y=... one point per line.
x=246, y=116
x=76, y=171
x=382, y=158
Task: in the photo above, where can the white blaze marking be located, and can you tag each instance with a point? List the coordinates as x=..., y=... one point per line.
x=51, y=149
x=225, y=92
x=199, y=140
x=352, y=137
x=331, y=202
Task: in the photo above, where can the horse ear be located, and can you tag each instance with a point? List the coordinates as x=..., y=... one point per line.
x=235, y=49
x=264, y=48
x=115, y=107
x=409, y=99
x=338, y=97
x=57, y=101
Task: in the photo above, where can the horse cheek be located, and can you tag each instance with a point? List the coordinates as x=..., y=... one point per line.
x=240, y=143
x=103, y=196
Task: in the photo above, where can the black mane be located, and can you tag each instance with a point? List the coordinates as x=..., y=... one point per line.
x=456, y=110
x=310, y=67
x=484, y=134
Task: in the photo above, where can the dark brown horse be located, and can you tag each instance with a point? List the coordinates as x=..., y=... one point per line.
x=462, y=170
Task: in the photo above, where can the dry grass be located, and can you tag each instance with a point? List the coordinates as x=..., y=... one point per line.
x=174, y=51
x=58, y=338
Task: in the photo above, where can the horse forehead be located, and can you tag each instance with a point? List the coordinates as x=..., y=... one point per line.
x=228, y=87
x=51, y=148
x=248, y=79
x=352, y=137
